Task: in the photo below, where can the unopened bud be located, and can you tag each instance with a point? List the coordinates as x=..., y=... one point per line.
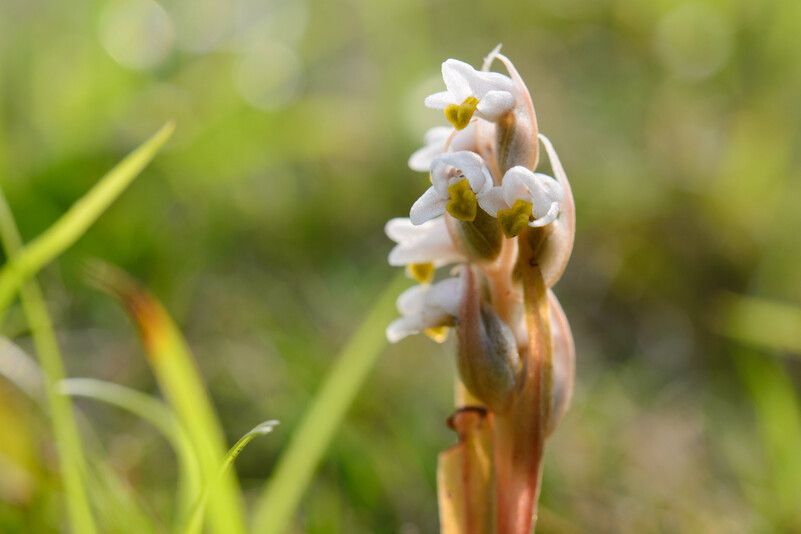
x=488, y=360
x=516, y=139
x=480, y=238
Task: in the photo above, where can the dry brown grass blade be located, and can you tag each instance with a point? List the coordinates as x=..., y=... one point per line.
x=464, y=475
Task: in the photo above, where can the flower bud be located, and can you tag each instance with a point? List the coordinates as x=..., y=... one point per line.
x=516, y=131
x=481, y=238
x=488, y=360
x=564, y=363
x=516, y=140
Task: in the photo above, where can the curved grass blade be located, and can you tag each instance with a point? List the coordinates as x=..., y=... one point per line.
x=196, y=519
x=315, y=431
x=174, y=367
x=157, y=414
x=74, y=223
x=71, y=458
x=20, y=369
x=116, y=503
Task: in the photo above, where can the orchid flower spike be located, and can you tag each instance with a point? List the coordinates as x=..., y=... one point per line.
x=524, y=198
x=423, y=248
x=460, y=181
x=489, y=95
x=427, y=308
x=435, y=142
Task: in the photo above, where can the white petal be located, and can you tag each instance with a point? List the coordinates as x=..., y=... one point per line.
x=434, y=143
x=492, y=201
x=518, y=183
x=403, y=327
x=421, y=159
x=428, y=206
x=548, y=218
x=481, y=82
x=412, y=301
x=437, y=135
x=469, y=163
x=546, y=193
x=437, y=253
x=429, y=242
x=440, y=100
x=445, y=297
x=465, y=139
x=541, y=190
x=495, y=104
x=399, y=229
x=453, y=75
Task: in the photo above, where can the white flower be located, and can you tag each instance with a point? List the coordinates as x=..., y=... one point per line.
x=524, y=197
x=434, y=145
x=427, y=308
x=422, y=248
x=469, y=91
x=460, y=181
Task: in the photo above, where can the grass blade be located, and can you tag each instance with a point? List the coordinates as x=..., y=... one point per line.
x=65, y=430
x=116, y=503
x=174, y=366
x=778, y=417
x=760, y=322
x=315, y=431
x=74, y=223
x=161, y=417
x=196, y=519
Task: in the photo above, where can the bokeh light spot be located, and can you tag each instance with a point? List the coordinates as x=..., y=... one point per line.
x=693, y=41
x=137, y=34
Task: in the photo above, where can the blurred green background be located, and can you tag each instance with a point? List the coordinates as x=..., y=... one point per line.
x=260, y=227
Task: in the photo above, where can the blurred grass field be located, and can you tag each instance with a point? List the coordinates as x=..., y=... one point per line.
x=260, y=228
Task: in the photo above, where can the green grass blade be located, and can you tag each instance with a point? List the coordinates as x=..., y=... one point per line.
x=74, y=223
x=196, y=519
x=72, y=461
x=756, y=321
x=310, y=440
x=161, y=417
x=118, y=507
x=778, y=417
x=179, y=379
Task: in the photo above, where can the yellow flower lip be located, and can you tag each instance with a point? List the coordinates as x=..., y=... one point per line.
x=514, y=219
x=437, y=333
x=423, y=273
x=459, y=115
x=462, y=204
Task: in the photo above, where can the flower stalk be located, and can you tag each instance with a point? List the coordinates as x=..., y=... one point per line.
x=509, y=230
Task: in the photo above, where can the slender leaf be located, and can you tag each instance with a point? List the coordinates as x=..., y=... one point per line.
x=77, y=220
x=115, y=501
x=760, y=322
x=778, y=417
x=315, y=431
x=196, y=519
x=161, y=417
x=68, y=441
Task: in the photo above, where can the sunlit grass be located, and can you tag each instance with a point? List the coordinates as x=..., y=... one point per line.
x=75, y=222
x=174, y=366
x=68, y=441
x=162, y=418
x=196, y=519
